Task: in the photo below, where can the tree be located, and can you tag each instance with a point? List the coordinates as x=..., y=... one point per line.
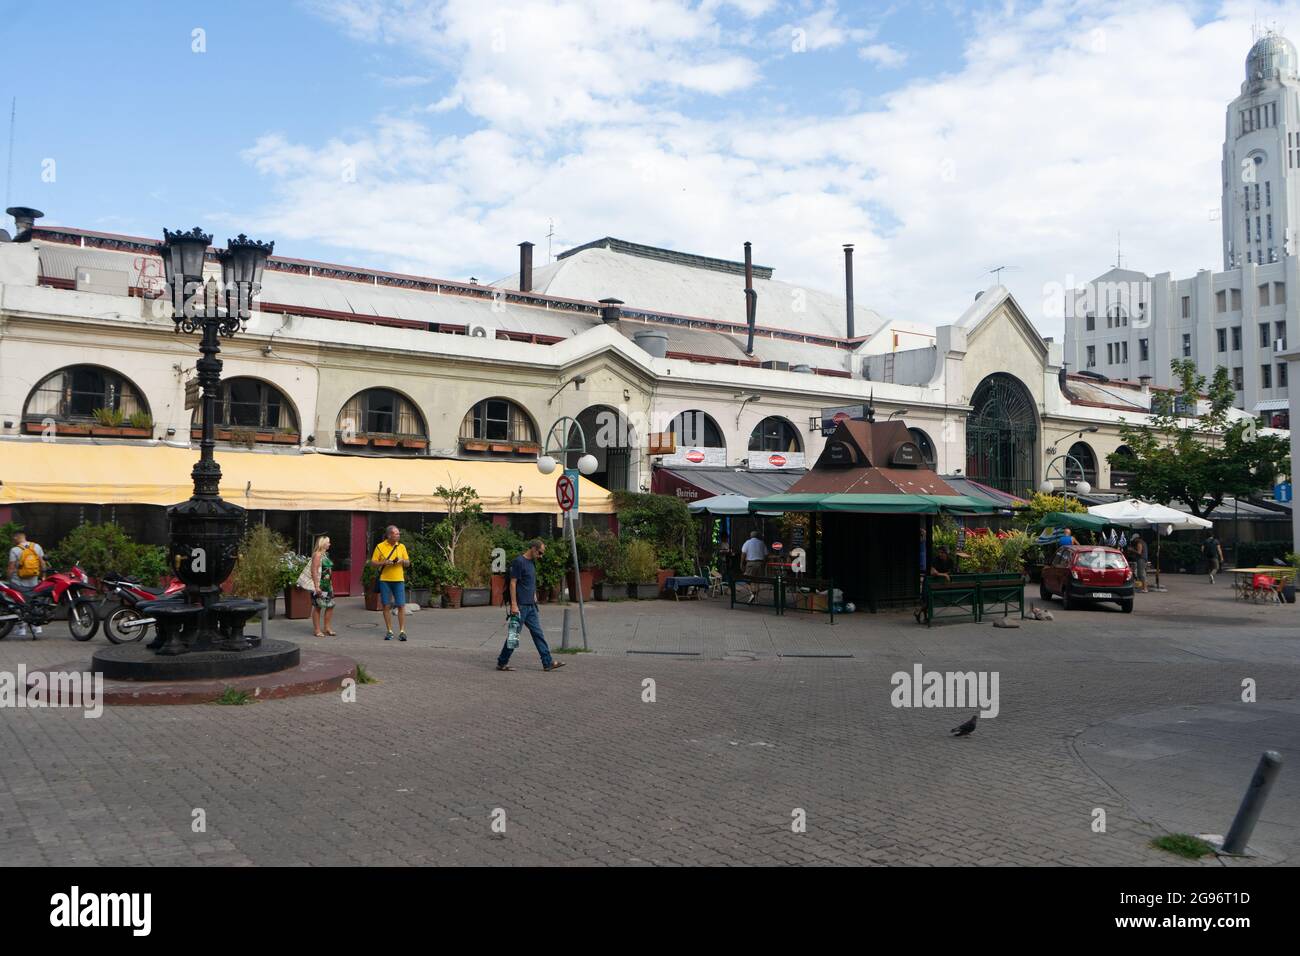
x=1198, y=456
x=463, y=510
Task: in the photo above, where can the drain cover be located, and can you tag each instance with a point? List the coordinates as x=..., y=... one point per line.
x=361, y=627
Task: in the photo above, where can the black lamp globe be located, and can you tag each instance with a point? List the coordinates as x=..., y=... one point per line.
x=242, y=264
x=182, y=255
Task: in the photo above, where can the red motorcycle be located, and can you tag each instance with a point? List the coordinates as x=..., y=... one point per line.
x=126, y=624
x=35, y=606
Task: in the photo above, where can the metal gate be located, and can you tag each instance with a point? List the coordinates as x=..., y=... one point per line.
x=1002, y=436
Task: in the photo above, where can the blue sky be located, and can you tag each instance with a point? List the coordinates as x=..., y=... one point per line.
x=943, y=139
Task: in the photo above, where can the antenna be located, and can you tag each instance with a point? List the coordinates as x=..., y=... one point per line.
x=997, y=272
x=1119, y=259
x=550, y=224
x=9, y=174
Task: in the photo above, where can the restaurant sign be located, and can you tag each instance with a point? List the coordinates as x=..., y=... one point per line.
x=831, y=417
x=697, y=455
x=769, y=460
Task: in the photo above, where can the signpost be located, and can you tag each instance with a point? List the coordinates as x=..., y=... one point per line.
x=1282, y=492
x=566, y=495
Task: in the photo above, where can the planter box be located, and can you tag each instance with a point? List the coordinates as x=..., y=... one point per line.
x=354, y=440
x=476, y=597
x=384, y=442
x=643, y=590
x=604, y=590
x=662, y=580
x=420, y=596
x=414, y=443
x=372, y=600
x=588, y=585
x=474, y=445
x=451, y=596
x=500, y=589
x=297, y=603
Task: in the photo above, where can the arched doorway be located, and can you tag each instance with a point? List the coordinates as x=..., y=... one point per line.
x=611, y=440
x=1083, y=453
x=1002, y=436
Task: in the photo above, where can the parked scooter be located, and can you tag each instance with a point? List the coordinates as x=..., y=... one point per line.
x=126, y=623
x=35, y=606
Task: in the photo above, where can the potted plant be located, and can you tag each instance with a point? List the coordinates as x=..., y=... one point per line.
x=259, y=571
x=453, y=586
x=474, y=560
x=550, y=571
x=613, y=579
x=370, y=587
x=641, y=566
x=426, y=574
x=108, y=421
x=297, y=602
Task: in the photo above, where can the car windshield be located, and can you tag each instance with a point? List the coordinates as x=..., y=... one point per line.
x=1100, y=560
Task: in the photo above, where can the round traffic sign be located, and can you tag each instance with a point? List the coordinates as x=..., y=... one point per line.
x=564, y=492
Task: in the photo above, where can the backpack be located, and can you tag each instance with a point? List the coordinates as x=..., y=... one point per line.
x=29, y=562
x=1207, y=548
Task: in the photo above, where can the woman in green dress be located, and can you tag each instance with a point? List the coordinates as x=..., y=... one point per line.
x=322, y=602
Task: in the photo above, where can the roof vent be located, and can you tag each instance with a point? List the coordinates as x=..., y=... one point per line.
x=777, y=366
x=525, y=267
x=610, y=311
x=24, y=219
x=804, y=369
x=653, y=342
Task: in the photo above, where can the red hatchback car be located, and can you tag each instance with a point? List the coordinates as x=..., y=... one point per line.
x=1083, y=572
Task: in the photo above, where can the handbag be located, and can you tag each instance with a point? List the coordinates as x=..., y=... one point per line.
x=306, y=581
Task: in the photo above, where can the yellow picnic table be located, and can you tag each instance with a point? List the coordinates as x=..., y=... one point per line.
x=1243, y=584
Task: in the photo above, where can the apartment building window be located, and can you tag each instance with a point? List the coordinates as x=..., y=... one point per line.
x=1279, y=293
x=1268, y=194
x=1281, y=374
x=1090, y=322
x=1144, y=351
x=1187, y=307
x=1222, y=335
x=1263, y=335
x=1125, y=347
x=1263, y=294
x=1266, y=376
x=1269, y=221
x=1236, y=338
x=1256, y=195
x=1257, y=230
x=1279, y=332
x=1092, y=356
x=1221, y=301
x=1187, y=345
x=1110, y=353
x=1250, y=256
x=1236, y=300
x=1237, y=380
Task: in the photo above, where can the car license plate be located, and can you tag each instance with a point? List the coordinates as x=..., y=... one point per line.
x=1102, y=594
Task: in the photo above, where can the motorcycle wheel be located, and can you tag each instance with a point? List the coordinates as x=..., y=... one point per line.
x=5, y=628
x=114, y=631
x=82, y=620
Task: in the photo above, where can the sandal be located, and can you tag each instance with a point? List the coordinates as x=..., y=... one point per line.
x=332, y=633
x=318, y=634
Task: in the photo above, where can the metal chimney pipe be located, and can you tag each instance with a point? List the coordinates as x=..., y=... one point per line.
x=848, y=285
x=751, y=299
x=24, y=218
x=525, y=267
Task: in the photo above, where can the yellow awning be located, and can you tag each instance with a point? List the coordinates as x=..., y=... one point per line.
x=63, y=472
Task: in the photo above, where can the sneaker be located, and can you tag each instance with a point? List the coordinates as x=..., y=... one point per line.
x=753, y=598
x=21, y=631
x=402, y=636
x=37, y=631
x=555, y=666
x=388, y=636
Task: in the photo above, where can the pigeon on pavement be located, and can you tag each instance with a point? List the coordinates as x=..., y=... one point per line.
x=965, y=728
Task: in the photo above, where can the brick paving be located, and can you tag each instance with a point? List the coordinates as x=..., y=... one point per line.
x=738, y=737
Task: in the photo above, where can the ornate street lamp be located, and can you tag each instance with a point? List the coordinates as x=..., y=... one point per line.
x=204, y=531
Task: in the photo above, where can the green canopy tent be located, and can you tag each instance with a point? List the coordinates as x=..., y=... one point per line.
x=1080, y=520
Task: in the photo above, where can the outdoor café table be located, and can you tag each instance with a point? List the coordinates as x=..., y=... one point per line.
x=684, y=582
x=1243, y=584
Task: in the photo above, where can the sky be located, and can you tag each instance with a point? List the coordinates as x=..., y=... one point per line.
x=942, y=139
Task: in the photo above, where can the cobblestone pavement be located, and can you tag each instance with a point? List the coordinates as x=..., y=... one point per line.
x=741, y=734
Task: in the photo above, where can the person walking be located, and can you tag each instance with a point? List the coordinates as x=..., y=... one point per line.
x=523, y=603
x=322, y=597
x=26, y=565
x=753, y=551
x=1139, y=562
x=391, y=558
x=1213, y=552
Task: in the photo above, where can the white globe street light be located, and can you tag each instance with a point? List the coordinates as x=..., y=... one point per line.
x=545, y=464
x=1082, y=488
x=1045, y=487
x=587, y=464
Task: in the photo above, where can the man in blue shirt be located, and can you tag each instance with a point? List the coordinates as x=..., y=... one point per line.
x=1065, y=539
x=523, y=601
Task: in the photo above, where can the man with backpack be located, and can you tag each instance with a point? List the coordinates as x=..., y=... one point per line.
x=26, y=565
x=1213, y=552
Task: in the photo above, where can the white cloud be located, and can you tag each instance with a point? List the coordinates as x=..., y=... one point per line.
x=883, y=55
x=1059, y=126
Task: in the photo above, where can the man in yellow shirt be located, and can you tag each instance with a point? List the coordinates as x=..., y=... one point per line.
x=391, y=558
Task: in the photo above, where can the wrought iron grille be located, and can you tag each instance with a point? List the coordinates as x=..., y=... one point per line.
x=1002, y=436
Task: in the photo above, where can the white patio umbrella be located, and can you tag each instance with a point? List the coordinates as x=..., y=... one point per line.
x=724, y=505
x=1134, y=513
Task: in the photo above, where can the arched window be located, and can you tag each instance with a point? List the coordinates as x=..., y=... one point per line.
x=1083, y=453
x=383, y=419
x=1121, y=467
x=253, y=408
x=498, y=425
x=927, y=447
x=1002, y=436
x=694, y=427
x=774, y=434
x=84, y=398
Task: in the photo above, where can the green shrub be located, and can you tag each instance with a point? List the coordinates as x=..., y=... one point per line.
x=662, y=520
x=1260, y=554
x=613, y=560
x=680, y=561
x=102, y=549
x=474, y=555
x=259, y=570
x=553, y=564
x=508, y=540
x=110, y=417
x=141, y=419
x=640, y=563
